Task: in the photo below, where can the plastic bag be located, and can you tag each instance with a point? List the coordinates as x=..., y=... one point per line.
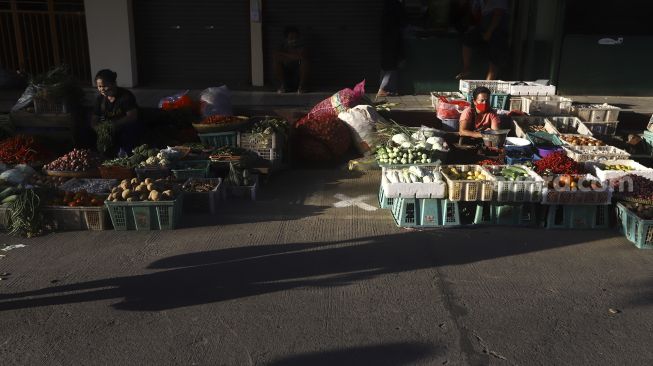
x=216, y=101
x=451, y=109
x=362, y=120
x=339, y=102
x=26, y=99
x=177, y=101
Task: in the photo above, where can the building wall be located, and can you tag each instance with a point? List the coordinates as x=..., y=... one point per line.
x=111, y=38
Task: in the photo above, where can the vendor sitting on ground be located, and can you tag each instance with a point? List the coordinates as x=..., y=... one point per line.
x=479, y=116
x=291, y=62
x=117, y=106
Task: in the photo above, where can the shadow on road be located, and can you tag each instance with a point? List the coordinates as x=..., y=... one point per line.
x=219, y=275
x=395, y=354
x=283, y=198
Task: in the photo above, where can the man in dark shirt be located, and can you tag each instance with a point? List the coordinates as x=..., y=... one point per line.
x=117, y=106
x=291, y=59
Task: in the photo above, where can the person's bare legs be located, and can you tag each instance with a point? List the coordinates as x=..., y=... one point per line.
x=467, y=62
x=278, y=59
x=303, y=72
x=491, y=72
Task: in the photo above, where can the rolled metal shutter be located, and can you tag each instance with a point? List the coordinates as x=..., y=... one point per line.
x=343, y=38
x=193, y=43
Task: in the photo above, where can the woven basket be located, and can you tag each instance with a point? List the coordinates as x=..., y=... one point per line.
x=116, y=172
x=93, y=173
x=224, y=127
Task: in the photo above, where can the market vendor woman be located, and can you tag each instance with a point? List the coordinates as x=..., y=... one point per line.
x=115, y=119
x=479, y=116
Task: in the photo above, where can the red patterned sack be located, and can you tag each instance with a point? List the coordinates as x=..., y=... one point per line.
x=338, y=102
x=322, y=140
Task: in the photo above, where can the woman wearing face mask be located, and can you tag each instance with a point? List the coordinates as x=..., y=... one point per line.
x=117, y=106
x=479, y=116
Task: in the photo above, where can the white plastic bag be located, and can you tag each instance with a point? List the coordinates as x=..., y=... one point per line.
x=216, y=101
x=362, y=120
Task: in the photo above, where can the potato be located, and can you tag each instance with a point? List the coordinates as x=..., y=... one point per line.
x=148, y=181
x=141, y=188
x=126, y=193
x=135, y=181
x=154, y=196
x=143, y=196
x=115, y=189
x=151, y=187
x=124, y=185
x=168, y=194
x=131, y=199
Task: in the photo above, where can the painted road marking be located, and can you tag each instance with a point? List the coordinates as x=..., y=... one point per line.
x=346, y=201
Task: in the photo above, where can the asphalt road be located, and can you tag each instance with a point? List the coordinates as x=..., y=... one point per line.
x=293, y=280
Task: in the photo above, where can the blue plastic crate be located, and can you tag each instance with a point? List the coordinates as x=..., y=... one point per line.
x=577, y=217
x=220, y=139
x=636, y=229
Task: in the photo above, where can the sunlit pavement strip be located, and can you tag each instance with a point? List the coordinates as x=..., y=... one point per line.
x=346, y=201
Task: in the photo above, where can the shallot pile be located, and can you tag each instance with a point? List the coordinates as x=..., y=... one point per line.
x=75, y=161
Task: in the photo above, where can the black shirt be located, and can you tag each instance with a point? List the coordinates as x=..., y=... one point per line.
x=107, y=111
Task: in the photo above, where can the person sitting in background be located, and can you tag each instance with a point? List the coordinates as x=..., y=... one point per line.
x=291, y=62
x=490, y=34
x=479, y=116
x=117, y=106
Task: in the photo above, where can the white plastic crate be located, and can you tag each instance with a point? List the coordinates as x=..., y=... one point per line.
x=581, y=196
x=596, y=112
x=528, y=190
x=598, y=169
x=524, y=123
x=515, y=103
x=469, y=190
x=607, y=128
x=495, y=86
x=268, y=147
x=552, y=105
x=530, y=88
x=414, y=190
x=582, y=154
x=435, y=101
x=568, y=125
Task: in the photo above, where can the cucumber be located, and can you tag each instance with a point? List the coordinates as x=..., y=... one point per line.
x=7, y=192
x=10, y=199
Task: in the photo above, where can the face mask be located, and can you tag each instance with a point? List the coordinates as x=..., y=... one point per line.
x=481, y=107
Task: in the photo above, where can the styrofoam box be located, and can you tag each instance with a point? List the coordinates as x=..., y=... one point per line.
x=530, y=88
x=414, y=190
x=638, y=169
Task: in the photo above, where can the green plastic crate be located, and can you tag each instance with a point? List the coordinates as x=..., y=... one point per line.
x=636, y=229
x=384, y=202
x=220, y=139
x=524, y=214
x=162, y=215
x=578, y=217
x=497, y=101
x=192, y=169
x=417, y=212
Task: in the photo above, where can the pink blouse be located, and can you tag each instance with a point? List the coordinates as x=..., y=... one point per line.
x=483, y=121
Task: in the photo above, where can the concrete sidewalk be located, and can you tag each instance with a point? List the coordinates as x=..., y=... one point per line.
x=292, y=280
